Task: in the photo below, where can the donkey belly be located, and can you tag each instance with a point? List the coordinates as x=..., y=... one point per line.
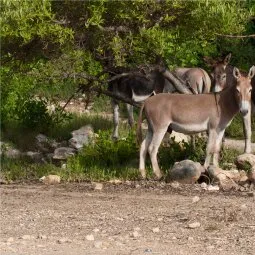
x=189, y=128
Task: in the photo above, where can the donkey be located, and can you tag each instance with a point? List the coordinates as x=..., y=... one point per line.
x=197, y=78
x=138, y=88
x=191, y=114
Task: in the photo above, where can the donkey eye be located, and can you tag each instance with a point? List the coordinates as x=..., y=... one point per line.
x=224, y=76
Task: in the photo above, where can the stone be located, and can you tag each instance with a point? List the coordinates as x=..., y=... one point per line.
x=97, y=185
x=90, y=237
x=63, y=153
x=45, y=144
x=27, y=237
x=243, y=178
x=98, y=244
x=63, y=240
x=213, y=188
x=251, y=175
x=226, y=179
x=51, y=179
x=175, y=185
x=203, y=185
x=155, y=230
x=245, y=161
x=195, y=199
x=10, y=240
x=81, y=137
x=185, y=171
x=194, y=225
x=135, y=234
x=12, y=153
x=36, y=157
x=180, y=137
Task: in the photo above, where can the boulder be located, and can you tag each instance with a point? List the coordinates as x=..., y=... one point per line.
x=251, y=175
x=245, y=161
x=81, y=137
x=50, y=179
x=63, y=153
x=45, y=144
x=227, y=179
x=185, y=171
x=179, y=137
x=36, y=157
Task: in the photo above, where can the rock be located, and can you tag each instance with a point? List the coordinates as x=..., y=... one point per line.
x=45, y=144
x=245, y=161
x=63, y=240
x=97, y=185
x=63, y=153
x=27, y=237
x=213, y=188
x=12, y=153
x=98, y=244
x=243, y=178
x=135, y=234
x=203, y=185
x=244, y=208
x=90, y=237
x=179, y=137
x=36, y=157
x=115, y=181
x=51, y=179
x=10, y=240
x=194, y=225
x=195, y=199
x=185, y=171
x=95, y=230
x=155, y=230
x=81, y=137
x=251, y=175
x=175, y=185
x=226, y=178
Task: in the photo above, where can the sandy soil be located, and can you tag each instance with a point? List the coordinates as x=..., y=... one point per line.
x=130, y=218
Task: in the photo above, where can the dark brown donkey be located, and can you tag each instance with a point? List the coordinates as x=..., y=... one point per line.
x=191, y=114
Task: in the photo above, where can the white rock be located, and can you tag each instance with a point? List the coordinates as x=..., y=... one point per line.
x=175, y=185
x=195, y=199
x=135, y=234
x=203, y=185
x=98, y=186
x=90, y=237
x=95, y=230
x=213, y=188
x=155, y=230
x=194, y=225
x=50, y=179
x=27, y=237
x=98, y=244
x=10, y=240
x=137, y=229
x=244, y=207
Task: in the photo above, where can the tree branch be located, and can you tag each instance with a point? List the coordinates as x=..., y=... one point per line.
x=237, y=36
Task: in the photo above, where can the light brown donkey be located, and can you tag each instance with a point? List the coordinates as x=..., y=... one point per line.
x=191, y=114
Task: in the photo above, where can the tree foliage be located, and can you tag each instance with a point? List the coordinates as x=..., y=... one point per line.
x=45, y=44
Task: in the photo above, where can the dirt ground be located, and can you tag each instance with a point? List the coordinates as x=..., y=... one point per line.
x=128, y=218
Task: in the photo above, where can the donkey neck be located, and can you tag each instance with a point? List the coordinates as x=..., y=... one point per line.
x=227, y=102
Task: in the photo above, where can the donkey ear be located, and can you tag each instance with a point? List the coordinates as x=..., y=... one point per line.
x=227, y=59
x=251, y=72
x=236, y=73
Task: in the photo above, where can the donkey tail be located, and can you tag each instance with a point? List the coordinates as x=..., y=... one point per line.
x=139, y=126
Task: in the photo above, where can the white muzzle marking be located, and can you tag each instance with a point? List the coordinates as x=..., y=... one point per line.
x=217, y=88
x=244, y=106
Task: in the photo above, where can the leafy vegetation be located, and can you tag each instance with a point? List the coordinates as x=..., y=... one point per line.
x=49, y=47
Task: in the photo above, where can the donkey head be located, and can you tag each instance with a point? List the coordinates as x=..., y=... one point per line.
x=219, y=74
x=243, y=89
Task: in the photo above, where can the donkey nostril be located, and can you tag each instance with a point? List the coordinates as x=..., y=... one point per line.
x=244, y=112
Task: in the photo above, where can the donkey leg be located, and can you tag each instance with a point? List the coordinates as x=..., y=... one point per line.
x=247, y=131
x=130, y=115
x=143, y=152
x=115, y=106
x=153, y=150
x=217, y=145
x=209, y=148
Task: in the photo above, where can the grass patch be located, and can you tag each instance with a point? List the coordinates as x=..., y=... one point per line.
x=235, y=130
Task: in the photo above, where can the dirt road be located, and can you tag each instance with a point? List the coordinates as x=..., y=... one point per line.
x=131, y=218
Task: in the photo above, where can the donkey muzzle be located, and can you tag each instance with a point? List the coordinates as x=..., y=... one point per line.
x=244, y=107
